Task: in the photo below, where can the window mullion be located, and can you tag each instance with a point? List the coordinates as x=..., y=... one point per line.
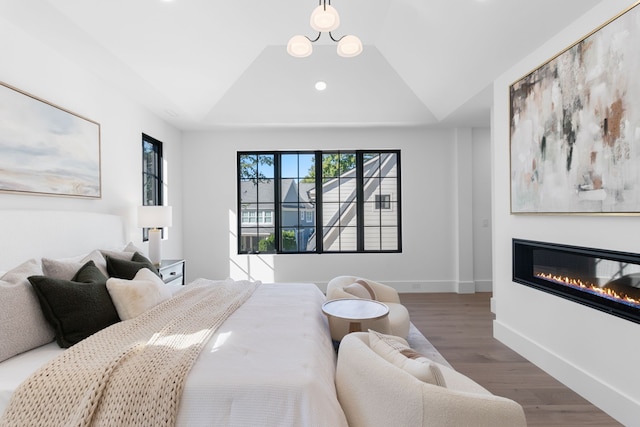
x=277, y=202
x=239, y=210
x=319, y=216
x=398, y=204
x=359, y=202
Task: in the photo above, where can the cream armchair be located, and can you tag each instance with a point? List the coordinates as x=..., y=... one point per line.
x=374, y=392
x=398, y=314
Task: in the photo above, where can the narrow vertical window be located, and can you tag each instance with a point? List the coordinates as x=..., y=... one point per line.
x=151, y=174
x=296, y=183
x=339, y=202
x=256, y=188
x=381, y=184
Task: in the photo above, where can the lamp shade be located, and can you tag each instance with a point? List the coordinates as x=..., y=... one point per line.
x=349, y=46
x=324, y=18
x=154, y=216
x=299, y=46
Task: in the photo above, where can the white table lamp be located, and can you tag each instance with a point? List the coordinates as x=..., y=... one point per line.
x=155, y=218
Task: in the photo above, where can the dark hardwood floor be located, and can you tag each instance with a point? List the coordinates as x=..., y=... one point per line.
x=460, y=327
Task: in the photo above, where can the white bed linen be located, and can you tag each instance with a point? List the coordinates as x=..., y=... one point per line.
x=270, y=364
x=16, y=369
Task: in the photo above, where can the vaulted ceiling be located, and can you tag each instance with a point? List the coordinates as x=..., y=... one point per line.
x=205, y=63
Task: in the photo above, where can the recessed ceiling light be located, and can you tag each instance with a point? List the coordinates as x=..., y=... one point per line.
x=320, y=85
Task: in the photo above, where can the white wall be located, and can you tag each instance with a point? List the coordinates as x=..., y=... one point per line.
x=481, y=205
x=31, y=66
x=428, y=162
x=592, y=352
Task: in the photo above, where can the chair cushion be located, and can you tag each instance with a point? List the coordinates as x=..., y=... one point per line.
x=399, y=319
x=397, y=352
x=360, y=289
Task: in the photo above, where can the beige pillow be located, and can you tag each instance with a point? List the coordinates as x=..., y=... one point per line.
x=66, y=268
x=133, y=297
x=22, y=324
x=396, y=351
x=360, y=289
x=133, y=248
x=123, y=255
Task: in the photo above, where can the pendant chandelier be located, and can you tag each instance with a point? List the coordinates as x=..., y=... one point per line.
x=324, y=19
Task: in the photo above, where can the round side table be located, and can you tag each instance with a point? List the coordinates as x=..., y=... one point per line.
x=355, y=315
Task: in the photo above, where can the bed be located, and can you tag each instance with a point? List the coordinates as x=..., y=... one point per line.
x=269, y=363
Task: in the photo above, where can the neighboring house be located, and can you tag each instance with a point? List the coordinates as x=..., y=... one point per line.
x=380, y=207
x=297, y=211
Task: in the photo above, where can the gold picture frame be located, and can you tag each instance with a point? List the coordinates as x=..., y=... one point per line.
x=575, y=126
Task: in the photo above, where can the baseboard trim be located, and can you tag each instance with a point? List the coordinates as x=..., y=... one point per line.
x=423, y=286
x=466, y=288
x=618, y=405
x=484, y=285
x=434, y=286
x=442, y=286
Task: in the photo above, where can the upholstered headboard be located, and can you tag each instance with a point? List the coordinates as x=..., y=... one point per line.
x=55, y=234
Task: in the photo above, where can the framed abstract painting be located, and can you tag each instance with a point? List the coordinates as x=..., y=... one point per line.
x=45, y=149
x=575, y=126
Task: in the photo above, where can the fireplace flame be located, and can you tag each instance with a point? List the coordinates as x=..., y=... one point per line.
x=589, y=287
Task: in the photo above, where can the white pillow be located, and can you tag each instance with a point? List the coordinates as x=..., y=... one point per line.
x=133, y=297
x=395, y=351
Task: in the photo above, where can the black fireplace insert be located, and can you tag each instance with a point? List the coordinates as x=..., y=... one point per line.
x=605, y=280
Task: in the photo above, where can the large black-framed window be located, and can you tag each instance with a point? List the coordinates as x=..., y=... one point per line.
x=151, y=174
x=319, y=201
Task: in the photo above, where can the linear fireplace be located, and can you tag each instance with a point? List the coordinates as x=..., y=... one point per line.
x=602, y=279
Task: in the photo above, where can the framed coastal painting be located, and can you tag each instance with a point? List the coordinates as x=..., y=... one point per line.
x=575, y=126
x=45, y=149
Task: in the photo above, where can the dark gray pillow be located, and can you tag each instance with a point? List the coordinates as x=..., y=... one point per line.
x=123, y=269
x=76, y=308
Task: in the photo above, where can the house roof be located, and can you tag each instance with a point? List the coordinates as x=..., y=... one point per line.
x=294, y=192
x=202, y=64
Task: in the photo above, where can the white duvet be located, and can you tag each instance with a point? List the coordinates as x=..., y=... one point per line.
x=270, y=364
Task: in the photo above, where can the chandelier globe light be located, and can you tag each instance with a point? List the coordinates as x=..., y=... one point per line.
x=324, y=19
x=299, y=46
x=349, y=46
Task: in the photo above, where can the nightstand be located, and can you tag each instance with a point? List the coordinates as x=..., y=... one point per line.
x=172, y=271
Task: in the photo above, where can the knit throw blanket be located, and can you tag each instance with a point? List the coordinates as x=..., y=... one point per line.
x=132, y=373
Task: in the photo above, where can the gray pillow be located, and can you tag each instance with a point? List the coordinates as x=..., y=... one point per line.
x=65, y=269
x=132, y=248
x=22, y=324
